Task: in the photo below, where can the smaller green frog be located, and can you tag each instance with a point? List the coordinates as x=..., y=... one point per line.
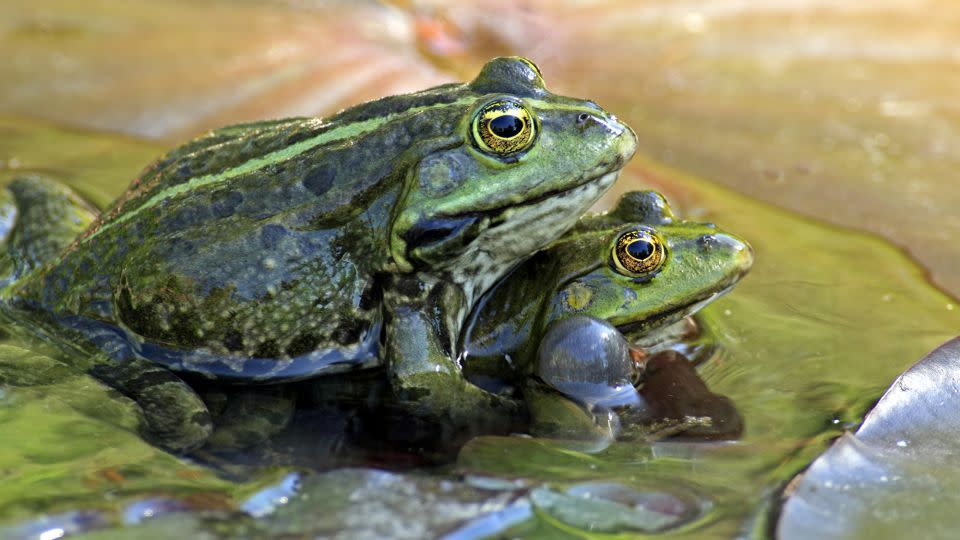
x=637, y=267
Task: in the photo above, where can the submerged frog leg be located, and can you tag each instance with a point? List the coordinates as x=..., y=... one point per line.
x=251, y=416
x=427, y=379
x=49, y=216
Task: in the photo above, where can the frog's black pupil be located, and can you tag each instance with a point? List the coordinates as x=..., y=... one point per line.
x=640, y=249
x=506, y=126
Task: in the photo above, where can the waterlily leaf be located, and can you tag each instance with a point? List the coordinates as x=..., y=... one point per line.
x=899, y=473
x=80, y=438
x=97, y=167
x=157, y=69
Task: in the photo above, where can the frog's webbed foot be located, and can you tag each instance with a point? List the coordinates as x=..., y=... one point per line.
x=429, y=384
x=41, y=217
x=248, y=417
x=176, y=418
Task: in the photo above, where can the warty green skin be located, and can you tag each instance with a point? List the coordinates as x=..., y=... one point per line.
x=288, y=249
x=575, y=276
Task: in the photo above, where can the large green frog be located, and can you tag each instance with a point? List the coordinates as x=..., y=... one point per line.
x=637, y=267
x=288, y=249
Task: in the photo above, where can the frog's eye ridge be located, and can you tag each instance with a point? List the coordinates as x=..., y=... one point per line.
x=504, y=127
x=638, y=253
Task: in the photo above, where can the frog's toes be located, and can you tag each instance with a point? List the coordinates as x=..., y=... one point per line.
x=176, y=418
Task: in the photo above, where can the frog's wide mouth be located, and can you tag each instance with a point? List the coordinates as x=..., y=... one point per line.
x=674, y=314
x=461, y=229
x=601, y=178
x=611, y=171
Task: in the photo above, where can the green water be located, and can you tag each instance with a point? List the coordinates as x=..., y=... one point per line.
x=826, y=319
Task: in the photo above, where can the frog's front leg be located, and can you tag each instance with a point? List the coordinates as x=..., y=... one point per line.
x=421, y=336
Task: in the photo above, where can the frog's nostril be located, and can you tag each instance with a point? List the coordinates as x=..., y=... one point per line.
x=707, y=241
x=608, y=123
x=740, y=250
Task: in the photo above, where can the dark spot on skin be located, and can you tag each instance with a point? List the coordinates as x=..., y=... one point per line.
x=267, y=349
x=298, y=136
x=186, y=247
x=233, y=340
x=227, y=204
x=348, y=331
x=271, y=234
x=371, y=297
x=183, y=328
x=302, y=344
x=319, y=180
x=184, y=172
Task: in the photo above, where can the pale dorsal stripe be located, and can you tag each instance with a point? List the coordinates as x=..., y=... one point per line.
x=334, y=135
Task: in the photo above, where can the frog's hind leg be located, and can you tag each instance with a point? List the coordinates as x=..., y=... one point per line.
x=46, y=217
x=176, y=418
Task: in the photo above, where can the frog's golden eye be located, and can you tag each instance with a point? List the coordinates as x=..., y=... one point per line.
x=638, y=253
x=504, y=127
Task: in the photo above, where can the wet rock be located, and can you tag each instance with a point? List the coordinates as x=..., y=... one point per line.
x=267, y=500
x=154, y=507
x=675, y=394
x=609, y=507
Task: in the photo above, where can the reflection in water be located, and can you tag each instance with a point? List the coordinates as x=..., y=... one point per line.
x=589, y=387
